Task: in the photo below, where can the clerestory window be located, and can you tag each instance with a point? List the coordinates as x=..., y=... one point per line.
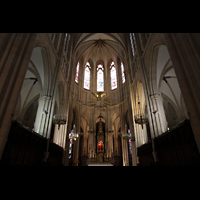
x=133, y=43
x=87, y=76
x=123, y=75
x=113, y=76
x=100, y=79
x=77, y=72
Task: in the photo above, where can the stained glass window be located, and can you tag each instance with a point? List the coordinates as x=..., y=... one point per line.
x=129, y=144
x=77, y=71
x=113, y=76
x=87, y=76
x=130, y=148
x=123, y=75
x=133, y=43
x=65, y=42
x=70, y=146
x=100, y=83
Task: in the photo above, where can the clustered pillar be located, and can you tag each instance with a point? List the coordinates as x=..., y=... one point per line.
x=15, y=54
x=184, y=50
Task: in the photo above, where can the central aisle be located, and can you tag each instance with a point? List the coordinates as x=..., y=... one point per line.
x=100, y=164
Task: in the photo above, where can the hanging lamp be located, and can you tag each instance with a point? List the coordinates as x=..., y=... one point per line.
x=140, y=118
x=60, y=119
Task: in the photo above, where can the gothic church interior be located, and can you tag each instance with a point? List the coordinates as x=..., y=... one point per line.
x=99, y=99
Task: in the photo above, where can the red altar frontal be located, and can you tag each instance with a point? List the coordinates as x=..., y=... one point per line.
x=100, y=146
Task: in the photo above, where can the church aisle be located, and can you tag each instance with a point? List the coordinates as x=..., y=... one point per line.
x=100, y=164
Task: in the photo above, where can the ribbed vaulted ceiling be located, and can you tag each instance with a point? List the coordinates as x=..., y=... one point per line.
x=99, y=46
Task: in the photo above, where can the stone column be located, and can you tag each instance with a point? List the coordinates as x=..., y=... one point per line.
x=134, y=152
x=123, y=156
x=42, y=114
x=184, y=51
x=116, y=156
x=65, y=157
x=85, y=144
x=75, y=151
x=84, y=155
x=15, y=53
x=116, y=150
x=125, y=152
x=159, y=114
x=90, y=144
x=50, y=104
x=110, y=143
x=109, y=120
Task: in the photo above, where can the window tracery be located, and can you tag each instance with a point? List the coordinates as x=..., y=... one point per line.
x=100, y=78
x=133, y=43
x=123, y=75
x=113, y=76
x=77, y=72
x=87, y=76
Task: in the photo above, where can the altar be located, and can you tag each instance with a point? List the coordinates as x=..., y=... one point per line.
x=99, y=156
x=100, y=143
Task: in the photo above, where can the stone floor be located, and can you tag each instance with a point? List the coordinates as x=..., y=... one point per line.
x=101, y=164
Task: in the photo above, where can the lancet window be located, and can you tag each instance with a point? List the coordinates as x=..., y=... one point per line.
x=133, y=43
x=66, y=46
x=100, y=79
x=113, y=76
x=129, y=144
x=70, y=146
x=77, y=72
x=87, y=76
x=123, y=75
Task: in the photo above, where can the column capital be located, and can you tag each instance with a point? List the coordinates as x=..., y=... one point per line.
x=155, y=96
x=45, y=97
x=126, y=136
x=110, y=131
x=90, y=131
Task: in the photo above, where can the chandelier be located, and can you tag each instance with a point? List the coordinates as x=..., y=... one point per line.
x=141, y=118
x=59, y=120
x=73, y=135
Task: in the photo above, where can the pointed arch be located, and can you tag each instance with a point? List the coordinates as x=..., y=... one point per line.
x=87, y=76
x=77, y=72
x=123, y=74
x=100, y=78
x=113, y=76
